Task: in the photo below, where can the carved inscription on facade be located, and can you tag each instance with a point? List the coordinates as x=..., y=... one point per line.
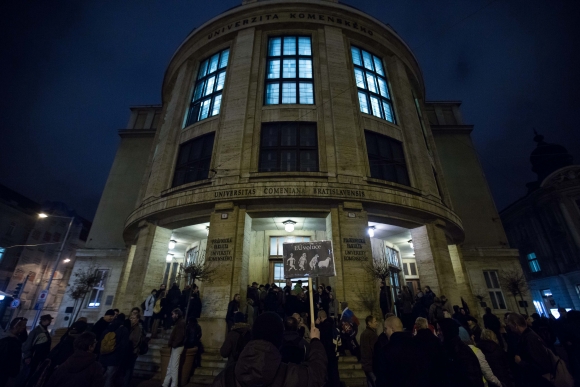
x=354, y=249
x=220, y=250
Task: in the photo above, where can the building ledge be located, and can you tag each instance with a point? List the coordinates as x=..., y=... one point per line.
x=185, y=187
x=123, y=133
x=451, y=129
x=283, y=175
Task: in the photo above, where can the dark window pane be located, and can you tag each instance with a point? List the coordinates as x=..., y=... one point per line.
x=194, y=160
x=270, y=136
x=288, y=147
x=307, y=136
x=269, y=161
x=288, y=135
x=386, y=158
x=308, y=161
x=288, y=161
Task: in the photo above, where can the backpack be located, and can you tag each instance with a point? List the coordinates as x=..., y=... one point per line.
x=241, y=344
x=108, y=343
x=560, y=376
x=157, y=307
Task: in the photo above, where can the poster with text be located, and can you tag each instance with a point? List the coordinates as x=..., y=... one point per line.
x=308, y=259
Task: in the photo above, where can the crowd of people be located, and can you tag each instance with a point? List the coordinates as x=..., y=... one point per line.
x=426, y=342
x=102, y=354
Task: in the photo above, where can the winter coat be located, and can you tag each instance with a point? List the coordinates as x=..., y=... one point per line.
x=491, y=322
x=177, y=337
x=230, y=344
x=233, y=307
x=195, y=306
x=173, y=297
x=485, y=368
x=81, y=369
x=367, y=345
x=435, y=313
x=100, y=326
x=294, y=349
x=535, y=358
x=399, y=363
x=135, y=339
x=497, y=360
x=428, y=298
x=462, y=365
x=434, y=361
x=260, y=364
x=37, y=346
x=149, y=305
x=10, y=356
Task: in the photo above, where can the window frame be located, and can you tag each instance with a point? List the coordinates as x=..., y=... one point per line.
x=281, y=80
x=98, y=290
x=533, y=262
x=279, y=148
x=365, y=89
x=195, y=104
x=193, y=163
x=275, y=260
x=378, y=158
x=493, y=290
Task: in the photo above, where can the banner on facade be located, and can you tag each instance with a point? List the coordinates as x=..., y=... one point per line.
x=308, y=259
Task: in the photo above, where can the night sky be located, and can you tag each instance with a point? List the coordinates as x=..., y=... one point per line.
x=71, y=69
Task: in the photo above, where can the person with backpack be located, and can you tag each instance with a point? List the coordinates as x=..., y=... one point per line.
x=158, y=312
x=294, y=348
x=176, y=343
x=236, y=339
x=147, y=307
x=101, y=326
x=114, y=348
x=436, y=311
x=260, y=363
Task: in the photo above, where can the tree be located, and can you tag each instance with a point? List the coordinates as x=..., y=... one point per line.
x=197, y=269
x=515, y=282
x=84, y=282
x=368, y=296
x=379, y=266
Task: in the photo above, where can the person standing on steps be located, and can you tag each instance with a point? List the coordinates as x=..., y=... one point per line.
x=149, y=304
x=176, y=343
x=367, y=345
x=233, y=308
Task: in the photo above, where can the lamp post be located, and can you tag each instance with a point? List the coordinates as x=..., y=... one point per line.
x=47, y=289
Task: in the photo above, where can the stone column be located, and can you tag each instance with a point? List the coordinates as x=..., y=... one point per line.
x=146, y=272
x=352, y=249
x=434, y=261
x=225, y=254
x=461, y=278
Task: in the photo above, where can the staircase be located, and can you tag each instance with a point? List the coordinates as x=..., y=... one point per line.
x=349, y=369
x=147, y=366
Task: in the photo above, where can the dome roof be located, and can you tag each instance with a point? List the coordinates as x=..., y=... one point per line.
x=547, y=158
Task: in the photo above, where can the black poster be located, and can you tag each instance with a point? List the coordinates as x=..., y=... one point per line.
x=308, y=259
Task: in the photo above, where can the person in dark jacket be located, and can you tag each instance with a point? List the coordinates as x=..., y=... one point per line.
x=384, y=298
x=65, y=347
x=462, y=365
x=532, y=356
x=101, y=325
x=82, y=368
x=11, y=351
x=37, y=347
x=193, y=334
x=294, y=348
x=195, y=303
x=367, y=346
x=232, y=346
x=233, y=308
x=114, y=350
x=428, y=297
x=330, y=338
x=171, y=302
x=260, y=363
x=430, y=346
x=496, y=357
x=176, y=342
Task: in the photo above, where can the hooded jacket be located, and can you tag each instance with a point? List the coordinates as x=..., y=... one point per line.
x=260, y=365
x=81, y=369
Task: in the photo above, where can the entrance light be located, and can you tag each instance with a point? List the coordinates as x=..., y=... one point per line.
x=372, y=231
x=172, y=244
x=169, y=258
x=411, y=243
x=289, y=225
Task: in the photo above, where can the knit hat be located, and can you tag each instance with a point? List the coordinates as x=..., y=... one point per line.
x=268, y=326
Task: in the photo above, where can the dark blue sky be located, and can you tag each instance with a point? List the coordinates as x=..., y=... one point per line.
x=71, y=69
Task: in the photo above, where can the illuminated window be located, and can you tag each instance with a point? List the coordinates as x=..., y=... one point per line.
x=277, y=243
x=98, y=290
x=289, y=71
x=386, y=158
x=533, y=262
x=194, y=160
x=207, y=93
x=371, y=82
x=2, y=251
x=289, y=147
x=494, y=289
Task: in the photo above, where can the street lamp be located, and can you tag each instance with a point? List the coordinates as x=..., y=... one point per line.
x=56, y=262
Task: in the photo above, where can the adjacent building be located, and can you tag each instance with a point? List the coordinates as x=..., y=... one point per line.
x=544, y=225
x=296, y=121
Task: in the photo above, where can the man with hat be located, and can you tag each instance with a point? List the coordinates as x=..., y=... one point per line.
x=102, y=324
x=11, y=351
x=260, y=363
x=37, y=346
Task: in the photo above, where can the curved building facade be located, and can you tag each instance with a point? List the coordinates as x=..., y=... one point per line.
x=309, y=112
